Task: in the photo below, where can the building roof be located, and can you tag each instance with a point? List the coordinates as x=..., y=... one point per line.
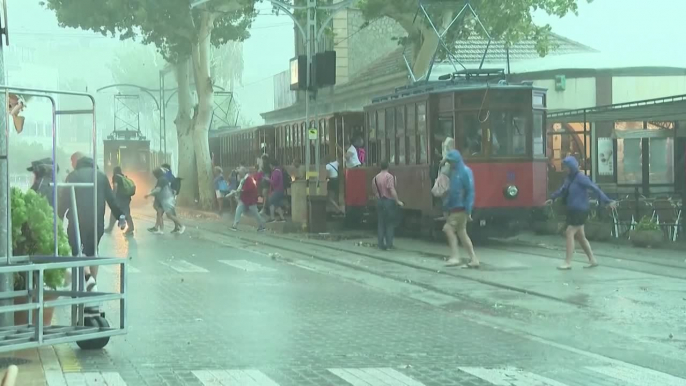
x=470, y=52
x=660, y=109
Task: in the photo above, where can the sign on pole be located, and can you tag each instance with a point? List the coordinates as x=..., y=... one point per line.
x=312, y=134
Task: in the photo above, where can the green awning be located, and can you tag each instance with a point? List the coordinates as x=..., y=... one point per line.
x=660, y=109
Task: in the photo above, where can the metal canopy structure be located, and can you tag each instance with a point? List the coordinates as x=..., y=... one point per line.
x=671, y=108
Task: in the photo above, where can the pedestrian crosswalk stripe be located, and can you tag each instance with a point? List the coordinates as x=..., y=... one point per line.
x=233, y=378
x=638, y=376
x=183, y=266
x=247, y=266
x=375, y=377
x=103, y=379
x=509, y=376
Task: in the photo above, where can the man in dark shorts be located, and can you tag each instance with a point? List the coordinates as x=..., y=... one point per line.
x=574, y=191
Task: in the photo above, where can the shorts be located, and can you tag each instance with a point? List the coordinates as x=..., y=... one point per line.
x=576, y=218
x=166, y=207
x=221, y=194
x=332, y=186
x=458, y=220
x=276, y=199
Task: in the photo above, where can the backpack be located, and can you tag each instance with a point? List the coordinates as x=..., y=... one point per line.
x=286, y=179
x=128, y=187
x=441, y=186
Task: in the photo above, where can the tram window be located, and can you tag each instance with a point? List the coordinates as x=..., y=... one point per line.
x=390, y=135
x=421, y=128
x=381, y=135
x=411, y=135
x=400, y=133
x=508, y=133
x=538, y=134
x=445, y=129
x=471, y=131
x=372, y=143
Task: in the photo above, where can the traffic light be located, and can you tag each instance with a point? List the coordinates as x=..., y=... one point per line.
x=323, y=71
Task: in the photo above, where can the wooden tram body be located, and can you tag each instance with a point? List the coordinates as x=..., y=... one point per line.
x=286, y=142
x=498, y=128
x=131, y=151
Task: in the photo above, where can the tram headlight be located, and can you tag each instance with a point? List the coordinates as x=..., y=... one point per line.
x=511, y=192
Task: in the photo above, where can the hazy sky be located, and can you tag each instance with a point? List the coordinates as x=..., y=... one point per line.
x=635, y=27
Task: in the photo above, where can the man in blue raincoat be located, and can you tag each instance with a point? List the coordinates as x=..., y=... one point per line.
x=458, y=203
x=574, y=191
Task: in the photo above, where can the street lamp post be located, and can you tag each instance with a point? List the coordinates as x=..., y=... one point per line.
x=312, y=35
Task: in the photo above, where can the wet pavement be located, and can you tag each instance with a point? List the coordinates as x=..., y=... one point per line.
x=212, y=307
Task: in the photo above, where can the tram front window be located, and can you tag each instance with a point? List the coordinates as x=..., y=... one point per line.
x=508, y=134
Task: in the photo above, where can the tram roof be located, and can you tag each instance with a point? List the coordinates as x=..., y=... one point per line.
x=474, y=80
x=671, y=108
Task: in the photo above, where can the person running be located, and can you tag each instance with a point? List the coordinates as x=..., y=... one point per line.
x=574, y=191
x=90, y=233
x=278, y=192
x=247, y=194
x=387, y=206
x=458, y=204
x=123, y=196
x=165, y=202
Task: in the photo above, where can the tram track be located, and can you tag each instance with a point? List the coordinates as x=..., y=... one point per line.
x=356, y=250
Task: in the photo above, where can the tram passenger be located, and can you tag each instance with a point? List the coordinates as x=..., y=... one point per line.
x=387, y=206
x=119, y=182
x=165, y=201
x=247, y=194
x=42, y=173
x=277, y=188
x=458, y=203
x=574, y=191
x=332, y=183
x=89, y=232
x=221, y=187
x=352, y=158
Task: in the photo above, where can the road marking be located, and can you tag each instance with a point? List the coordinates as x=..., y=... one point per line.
x=67, y=357
x=100, y=379
x=233, y=378
x=510, y=376
x=638, y=377
x=247, y=266
x=375, y=377
x=182, y=266
x=132, y=269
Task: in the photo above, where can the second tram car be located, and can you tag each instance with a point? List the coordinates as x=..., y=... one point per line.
x=498, y=127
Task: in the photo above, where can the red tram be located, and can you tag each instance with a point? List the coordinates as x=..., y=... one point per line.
x=497, y=126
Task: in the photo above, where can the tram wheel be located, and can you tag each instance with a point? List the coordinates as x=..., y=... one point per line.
x=94, y=344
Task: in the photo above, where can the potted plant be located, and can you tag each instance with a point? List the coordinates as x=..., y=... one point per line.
x=647, y=233
x=546, y=222
x=32, y=234
x=597, y=229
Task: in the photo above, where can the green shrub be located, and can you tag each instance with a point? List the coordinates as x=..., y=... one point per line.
x=647, y=224
x=32, y=234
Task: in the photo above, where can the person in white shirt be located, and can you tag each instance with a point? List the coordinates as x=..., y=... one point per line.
x=352, y=160
x=332, y=183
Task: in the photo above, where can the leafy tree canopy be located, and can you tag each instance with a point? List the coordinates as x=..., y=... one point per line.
x=509, y=20
x=168, y=24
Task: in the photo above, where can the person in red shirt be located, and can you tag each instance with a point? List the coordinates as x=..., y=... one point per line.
x=278, y=192
x=247, y=193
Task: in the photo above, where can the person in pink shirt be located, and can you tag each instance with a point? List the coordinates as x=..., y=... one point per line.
x=387, y=206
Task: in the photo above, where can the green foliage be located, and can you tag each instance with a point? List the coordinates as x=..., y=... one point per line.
x=509, y=20
x=647, y=224
x=168, y=24
x=32, y=234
